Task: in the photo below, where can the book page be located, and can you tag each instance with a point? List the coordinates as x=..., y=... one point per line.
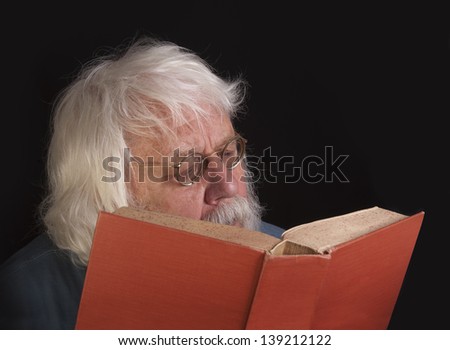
x=322, y=235
x=233, y=234
x=287, y=247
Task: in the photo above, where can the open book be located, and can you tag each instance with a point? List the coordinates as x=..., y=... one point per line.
x=149, y=270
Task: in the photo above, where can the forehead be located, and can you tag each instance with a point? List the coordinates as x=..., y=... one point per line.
x=204, y=136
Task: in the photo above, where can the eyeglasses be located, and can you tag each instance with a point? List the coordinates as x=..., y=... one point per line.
x=190, y=169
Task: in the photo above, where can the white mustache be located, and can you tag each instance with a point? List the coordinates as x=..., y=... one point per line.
x=240, y=210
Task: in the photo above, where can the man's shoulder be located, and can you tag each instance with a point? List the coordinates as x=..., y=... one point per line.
x=39, y=251
x=35, y=281
x=271, y=229
x=39, y=259
x=36, y=248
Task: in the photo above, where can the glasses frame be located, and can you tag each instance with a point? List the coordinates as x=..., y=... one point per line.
x=204, y=161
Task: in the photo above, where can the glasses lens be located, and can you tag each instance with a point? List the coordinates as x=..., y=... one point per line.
x=233, y=153
x=189, y=169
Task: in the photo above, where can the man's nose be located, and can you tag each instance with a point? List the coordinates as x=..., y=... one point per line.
x=220, y=182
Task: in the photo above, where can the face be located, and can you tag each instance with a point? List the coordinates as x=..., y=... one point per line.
x=218, y=190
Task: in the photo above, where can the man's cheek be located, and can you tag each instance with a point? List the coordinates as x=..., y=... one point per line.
x=241, y=180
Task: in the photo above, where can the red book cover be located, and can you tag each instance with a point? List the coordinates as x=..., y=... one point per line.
x=353, y=286
x=150, y=270
x=147, y=276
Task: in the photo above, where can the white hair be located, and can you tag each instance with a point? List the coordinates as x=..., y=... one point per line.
x=146, y=90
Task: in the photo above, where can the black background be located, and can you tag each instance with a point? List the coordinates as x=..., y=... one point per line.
x=372, y=83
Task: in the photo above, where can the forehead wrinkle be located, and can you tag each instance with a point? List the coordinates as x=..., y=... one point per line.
x=184, y=148
x=198, y=136
x=207, y=138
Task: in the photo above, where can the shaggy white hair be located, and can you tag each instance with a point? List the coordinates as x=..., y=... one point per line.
x=145, y=89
